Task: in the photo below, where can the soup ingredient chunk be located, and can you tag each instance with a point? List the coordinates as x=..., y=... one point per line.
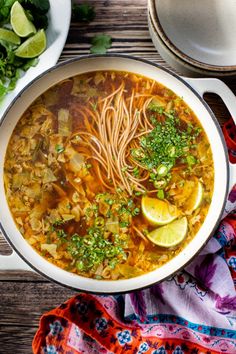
x=158, y=212
x=170, y=235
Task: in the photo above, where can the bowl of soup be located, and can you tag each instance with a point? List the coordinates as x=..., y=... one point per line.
x=114, y=173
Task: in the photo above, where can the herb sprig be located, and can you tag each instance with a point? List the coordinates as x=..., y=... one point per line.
x=100, y=44
x=11, y=66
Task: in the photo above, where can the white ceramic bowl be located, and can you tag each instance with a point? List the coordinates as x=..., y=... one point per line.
x=177, y=62
x=56, y=37
x=204, y=114
x=198, y=33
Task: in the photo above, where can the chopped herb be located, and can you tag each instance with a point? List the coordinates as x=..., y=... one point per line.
x=100, y=44
x=136, y=172
x=160, y=194
x=191, y=160
x=135, y=212
x=59, y=222
x=61, y=233
x=166, y=143
x=99, y=221
x=124, y=224
x=91, y=211
x=154, y=107
x=109, y=201
x=94, y=106
x=93, y=249
x=162, y=170
x=187, y=111
x=59, y=148
x=119, y=190
x=161, y=183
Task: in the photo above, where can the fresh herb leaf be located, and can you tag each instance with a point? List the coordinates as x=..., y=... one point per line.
x=100, y=44
x=59, y=148
x=12, y=67
x=41, y=5
x=83, y=13
x=31, y=62
x=3, y=91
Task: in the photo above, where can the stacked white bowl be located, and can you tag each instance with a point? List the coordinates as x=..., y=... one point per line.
x=196, y=38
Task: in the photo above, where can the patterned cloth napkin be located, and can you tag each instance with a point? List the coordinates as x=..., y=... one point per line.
x=194, y=311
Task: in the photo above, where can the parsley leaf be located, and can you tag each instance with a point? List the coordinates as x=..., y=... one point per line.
x=100, y=44
x=41, y=5
x=83, y=13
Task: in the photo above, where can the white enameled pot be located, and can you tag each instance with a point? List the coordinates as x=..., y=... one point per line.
x=191, y=90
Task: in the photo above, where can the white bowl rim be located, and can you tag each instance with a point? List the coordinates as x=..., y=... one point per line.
x=193, y=70
x=173, y=48
x=217, y=220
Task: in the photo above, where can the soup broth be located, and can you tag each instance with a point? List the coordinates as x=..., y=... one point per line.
x=109, y=175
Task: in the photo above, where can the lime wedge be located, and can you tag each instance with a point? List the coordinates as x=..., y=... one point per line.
x=33, y=46
x=21, y=25
x=9, y=36
x=195, y=199
x=170, y=235
x=158, y=212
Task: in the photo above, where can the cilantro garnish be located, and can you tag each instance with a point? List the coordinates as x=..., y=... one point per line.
x=100, y=44
x=93, y=249
x=167, y=142
x=11, y=66
x=59, y=148
x=41, y=5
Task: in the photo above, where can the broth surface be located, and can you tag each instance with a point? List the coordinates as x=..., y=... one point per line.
x=84, y=156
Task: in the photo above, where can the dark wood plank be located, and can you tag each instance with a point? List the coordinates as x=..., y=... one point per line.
x=15, y=339
x=22, y=304
x=29, y=298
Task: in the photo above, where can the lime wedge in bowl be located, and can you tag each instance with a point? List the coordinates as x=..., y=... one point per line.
x=9, y=36
x=21, y=25
x=170, y=235
x=195, y=199
x=158, y=212
x=33, y=46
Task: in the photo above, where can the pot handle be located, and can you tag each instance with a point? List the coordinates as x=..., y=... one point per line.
x=221, y=89
x=13, y=262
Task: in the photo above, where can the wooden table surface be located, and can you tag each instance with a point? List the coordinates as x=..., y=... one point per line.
x=25, y=296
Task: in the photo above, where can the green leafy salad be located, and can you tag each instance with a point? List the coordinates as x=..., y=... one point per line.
x=22, y=38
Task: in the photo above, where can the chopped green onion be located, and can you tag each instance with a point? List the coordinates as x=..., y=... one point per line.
x=161, y=194
x=162, y=170
x=191, y=160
